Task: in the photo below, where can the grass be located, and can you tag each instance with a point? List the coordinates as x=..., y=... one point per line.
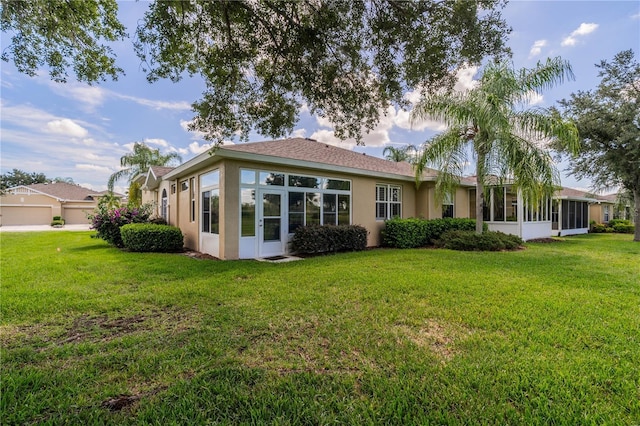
x=93, y=335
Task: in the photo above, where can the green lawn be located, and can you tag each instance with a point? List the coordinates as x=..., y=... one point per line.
x=546, y=335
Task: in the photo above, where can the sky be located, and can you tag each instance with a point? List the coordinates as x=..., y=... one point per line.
x=79, y=131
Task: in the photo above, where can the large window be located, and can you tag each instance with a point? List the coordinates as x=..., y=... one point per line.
x=388, y=201
x=312, y=200
x=210, y=202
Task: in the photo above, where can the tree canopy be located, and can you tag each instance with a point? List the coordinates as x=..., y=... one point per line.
x=263, y=61
x=138, y=161
x=489, y=123
x=63, y=34
x=608, y=121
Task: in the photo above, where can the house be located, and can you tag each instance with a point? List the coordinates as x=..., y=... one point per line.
x=37, y=204
x=245, y=201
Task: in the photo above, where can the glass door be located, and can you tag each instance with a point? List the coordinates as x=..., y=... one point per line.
x=270, y=226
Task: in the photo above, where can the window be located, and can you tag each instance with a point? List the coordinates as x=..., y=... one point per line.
x=575, y=214
x=209, y=183
x=173, y=188
x=388, y=201
x=184, y=185
x=312, y=200
x=192, y=187
x=164, y=206
x=248, y=212
x=606, y=214
x=447, y=206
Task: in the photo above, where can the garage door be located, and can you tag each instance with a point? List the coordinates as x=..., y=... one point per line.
x=75, y=216
x=25, y=215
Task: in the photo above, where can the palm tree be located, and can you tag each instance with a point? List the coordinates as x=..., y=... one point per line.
x=139, y=161
x=400, y=154
x=491, y=124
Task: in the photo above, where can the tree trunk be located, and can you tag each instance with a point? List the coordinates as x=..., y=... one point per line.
x=480, y=190
x=636, y=214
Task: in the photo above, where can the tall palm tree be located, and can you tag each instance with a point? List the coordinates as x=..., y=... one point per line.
x=139, y=160
x=491, y=124
x=405, y=153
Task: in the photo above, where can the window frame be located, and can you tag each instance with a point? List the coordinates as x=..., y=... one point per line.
x=385, y=202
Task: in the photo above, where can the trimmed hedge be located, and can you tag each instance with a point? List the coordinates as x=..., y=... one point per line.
x=487, y=241
x=149, y=237
x=412, y=233
x=620, y=226
x=328, y=239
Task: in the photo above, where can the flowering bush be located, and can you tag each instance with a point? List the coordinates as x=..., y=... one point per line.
x=107, y=221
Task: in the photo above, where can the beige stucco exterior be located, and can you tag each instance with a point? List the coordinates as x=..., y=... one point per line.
x=363, y=200
x=39, y=209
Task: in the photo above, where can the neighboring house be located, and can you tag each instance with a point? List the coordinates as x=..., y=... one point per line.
x=245, y=201
x=615, y=208
x=37, y=204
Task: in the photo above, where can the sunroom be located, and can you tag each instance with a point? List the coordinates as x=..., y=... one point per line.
x=506, y=211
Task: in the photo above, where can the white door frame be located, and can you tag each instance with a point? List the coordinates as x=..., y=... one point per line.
x=273, y=247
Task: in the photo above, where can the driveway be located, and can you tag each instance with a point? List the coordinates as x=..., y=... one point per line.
x=31, y=228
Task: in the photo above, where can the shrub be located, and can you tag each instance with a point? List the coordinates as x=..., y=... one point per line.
x=613, y=222
x=149, y=237
x=108, y=221
x=57, y=222
x=57, y=218
x=487, y=241
x=622, y=228
x=329, y=238
x=411, y=233
x=598, y=228
x=405, y=233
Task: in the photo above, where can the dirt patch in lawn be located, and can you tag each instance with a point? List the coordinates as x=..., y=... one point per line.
x=440, y=338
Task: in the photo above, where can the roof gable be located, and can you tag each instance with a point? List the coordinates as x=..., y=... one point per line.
x=61, y=191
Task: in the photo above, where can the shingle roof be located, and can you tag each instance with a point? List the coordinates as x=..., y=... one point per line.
x=160, y=171
x=65, y=191
x=576, y=193
x=309, y=150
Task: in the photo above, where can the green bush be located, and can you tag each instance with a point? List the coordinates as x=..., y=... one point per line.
x=622, y=228
x=487, y=241
x=613, y=222
x=57, y=222
x=412, y=233
x=405, y=233
x=149, y=237
x=329, y=238
x=57, y=218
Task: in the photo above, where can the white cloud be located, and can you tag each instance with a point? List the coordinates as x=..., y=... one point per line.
x=195, y=134
x=155, y=141
x=582, y=30
x=94, y=168
x=91, y=96
x=66, y=127
x=196, y=148
x=534, y=98
x=298, y=133
x=155, y=104
x=465, y=79
x=536, y=49
x=636, y=16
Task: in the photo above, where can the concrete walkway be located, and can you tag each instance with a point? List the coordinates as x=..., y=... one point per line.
x=32, y=228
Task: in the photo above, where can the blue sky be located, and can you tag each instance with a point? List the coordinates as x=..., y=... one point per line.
x=80, y=131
